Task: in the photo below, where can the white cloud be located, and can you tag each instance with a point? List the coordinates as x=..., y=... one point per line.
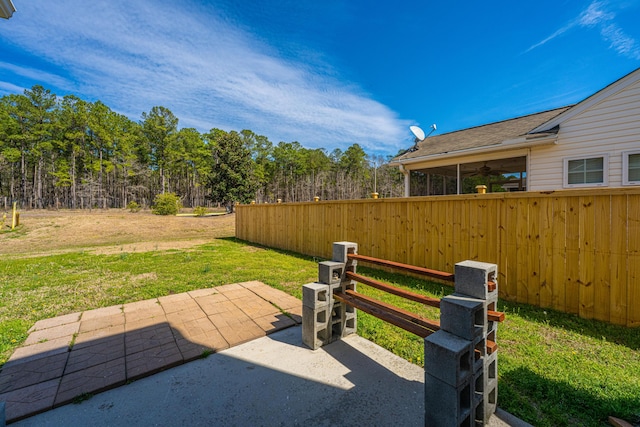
x=597, y=16
x=134, y=55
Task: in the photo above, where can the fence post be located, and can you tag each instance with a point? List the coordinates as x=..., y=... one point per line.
x=461, y=381
x=324, y=319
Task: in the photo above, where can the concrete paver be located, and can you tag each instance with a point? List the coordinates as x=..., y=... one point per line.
x=85, y=353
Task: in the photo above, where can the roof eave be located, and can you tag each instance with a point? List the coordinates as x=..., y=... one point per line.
x=525, y=141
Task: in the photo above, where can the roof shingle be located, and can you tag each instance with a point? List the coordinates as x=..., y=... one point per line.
x=481, y=136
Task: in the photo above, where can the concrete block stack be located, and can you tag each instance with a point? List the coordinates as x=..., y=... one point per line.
x=461, y=382
x=324, y=319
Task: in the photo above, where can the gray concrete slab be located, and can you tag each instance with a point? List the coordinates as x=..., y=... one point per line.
x=270, y=381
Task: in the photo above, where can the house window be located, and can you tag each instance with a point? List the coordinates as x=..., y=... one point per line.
x=631, y=168
x=586, y=172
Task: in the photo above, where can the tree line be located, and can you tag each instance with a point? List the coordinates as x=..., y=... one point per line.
x=70, y=153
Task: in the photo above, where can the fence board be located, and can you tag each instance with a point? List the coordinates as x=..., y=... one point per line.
x=633, y=242
x=559, y=252
x=545, y=249
x=522, y=250
x=602, y=251
x=619, y=260
x=533, y=252
x=576, y=250
x=586, y=272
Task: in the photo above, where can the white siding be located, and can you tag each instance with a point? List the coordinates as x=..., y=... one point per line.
x=611, y=126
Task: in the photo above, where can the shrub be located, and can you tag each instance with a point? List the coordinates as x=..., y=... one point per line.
x=200, y=211
x=133, y=207
x=166, y=204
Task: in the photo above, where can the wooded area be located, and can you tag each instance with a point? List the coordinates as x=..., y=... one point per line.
x=70, y=153
x=576, y=251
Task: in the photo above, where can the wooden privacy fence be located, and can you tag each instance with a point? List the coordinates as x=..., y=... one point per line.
x=576, y=251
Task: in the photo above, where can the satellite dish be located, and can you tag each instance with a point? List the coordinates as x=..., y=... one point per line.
x=419, y=133
x=420, y=136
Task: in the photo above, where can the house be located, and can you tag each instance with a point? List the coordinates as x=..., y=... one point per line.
x=6, y=9
x=594, y=143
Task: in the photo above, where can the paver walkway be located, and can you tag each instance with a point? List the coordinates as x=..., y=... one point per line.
x=69, y=356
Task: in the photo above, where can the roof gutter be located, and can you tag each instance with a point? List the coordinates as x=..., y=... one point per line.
x=529, y=140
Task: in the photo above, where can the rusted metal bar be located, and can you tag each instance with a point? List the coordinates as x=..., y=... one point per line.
x=433, y=302
x=412, y=317
x=412, y=268
x=495, y=316
x=387, y=316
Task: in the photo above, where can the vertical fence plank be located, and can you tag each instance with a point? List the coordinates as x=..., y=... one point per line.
x=602, y=252
x=511, y=286
x=559, y=253
x=504, y=265
x=522, y=249
x=587, y=257
x=493, y=225
x=474, y=213
x=449, y=259
x=416, y=246
x=533, y=252
x=633, y=284
x=619, y=259
x=545, y=251
x=572, y=292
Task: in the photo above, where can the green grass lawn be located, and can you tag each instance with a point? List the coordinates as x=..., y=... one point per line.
x=554, y=369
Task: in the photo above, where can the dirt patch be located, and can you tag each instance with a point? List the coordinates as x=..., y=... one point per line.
x=109, y=231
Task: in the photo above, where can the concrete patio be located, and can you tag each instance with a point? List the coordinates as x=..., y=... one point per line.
x=252, y=379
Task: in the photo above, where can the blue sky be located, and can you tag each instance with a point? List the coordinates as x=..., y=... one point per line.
x=326, y=74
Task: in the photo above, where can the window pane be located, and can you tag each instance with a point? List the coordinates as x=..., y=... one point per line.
x=576, y=178
x=593, y=177
x=594, y=164
x=576, y=165
x=634, y=167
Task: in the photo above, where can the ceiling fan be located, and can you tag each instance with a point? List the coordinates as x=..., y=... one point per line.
x=485, y=171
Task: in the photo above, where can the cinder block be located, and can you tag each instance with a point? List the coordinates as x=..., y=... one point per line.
x=341, y=249
x=3, y=417
x=344, y=286
x=330, y=272
x=486, y=389
x=316, y=330
x=472, y=278
x=343, y=321
x=485, y=407
x=448, y=357
x=479, y=352
x=463, y=316
x=316, y=295
x=446, y=405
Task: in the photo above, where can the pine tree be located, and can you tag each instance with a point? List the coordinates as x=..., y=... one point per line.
x=231, y=177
